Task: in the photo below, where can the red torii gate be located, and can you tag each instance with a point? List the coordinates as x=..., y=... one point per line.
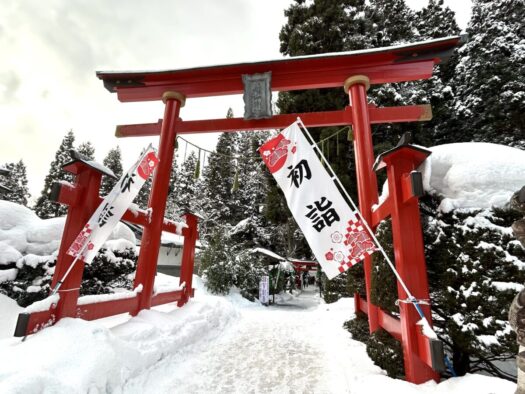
x=355, y=71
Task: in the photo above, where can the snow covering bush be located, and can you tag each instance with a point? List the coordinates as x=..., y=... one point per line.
x=475, y=265
x=28, y=253
x=228, y=261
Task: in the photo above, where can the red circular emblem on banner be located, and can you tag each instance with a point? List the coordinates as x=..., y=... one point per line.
x=147, y=165
x=275, y=152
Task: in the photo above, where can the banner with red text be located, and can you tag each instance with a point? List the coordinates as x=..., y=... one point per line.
x=335, y=234
x=113, y=207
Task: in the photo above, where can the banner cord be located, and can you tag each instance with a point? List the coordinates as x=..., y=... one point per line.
x=411, y=298
x=336, y=133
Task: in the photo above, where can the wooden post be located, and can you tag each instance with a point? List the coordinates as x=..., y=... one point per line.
x=150, y=244
x=356, y=87
x=188, y=257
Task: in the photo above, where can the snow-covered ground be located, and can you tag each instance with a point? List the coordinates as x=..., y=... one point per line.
x=211, y=345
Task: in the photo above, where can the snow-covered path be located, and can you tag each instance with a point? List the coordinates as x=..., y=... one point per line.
x=211, y=345
x=278, y=349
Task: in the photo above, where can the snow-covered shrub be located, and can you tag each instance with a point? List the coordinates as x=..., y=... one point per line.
x=32, y=280
x=475, y=268
x=109, y=270
x=28, y=252
x=386, y=352
x=358, y=326
x=475, y=265
x=336, y=288
x=229, y=260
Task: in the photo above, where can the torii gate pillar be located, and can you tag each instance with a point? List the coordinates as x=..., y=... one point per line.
x=150, y=244
x=356, y=87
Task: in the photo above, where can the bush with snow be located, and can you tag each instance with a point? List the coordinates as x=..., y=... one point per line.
x=28, y=251
x=475, y=265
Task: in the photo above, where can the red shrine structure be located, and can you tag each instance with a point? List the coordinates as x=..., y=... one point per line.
x=355, y=72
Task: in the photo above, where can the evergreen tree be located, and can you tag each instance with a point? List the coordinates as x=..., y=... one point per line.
x=87, y=150
x=185, y=187
x=392, y=22
x=435, y=20
x=45, y=208
x=113, y=161
x=142, y=198
x=472, y=262
x=218, y=177
x=16, y=181
x=171, y=207
x=490, y=77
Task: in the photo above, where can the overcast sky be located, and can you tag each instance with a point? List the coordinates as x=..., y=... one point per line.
x=51, y=49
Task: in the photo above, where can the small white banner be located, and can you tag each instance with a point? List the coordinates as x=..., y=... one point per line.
x=336, y=236
x=264, y=290
x=113, y=207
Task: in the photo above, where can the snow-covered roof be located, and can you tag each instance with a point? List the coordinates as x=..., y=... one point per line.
x=170, y=239
x=269, y=253
x=76, y=156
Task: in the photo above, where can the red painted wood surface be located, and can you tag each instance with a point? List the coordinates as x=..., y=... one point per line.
x=382, y=65
x=188, y=257
x=99, y=310
x=84, y=201
x=150, y=243
x=410, y=261
x=366, y=178
x=410, y=113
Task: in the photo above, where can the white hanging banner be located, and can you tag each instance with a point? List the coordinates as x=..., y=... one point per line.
x=113, y=207
x=335, y=234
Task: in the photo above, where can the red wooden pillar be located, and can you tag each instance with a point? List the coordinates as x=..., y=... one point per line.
x=150, y=244
x=356, y=87
x=407, y=237
x=188, y=257
x=83, y=200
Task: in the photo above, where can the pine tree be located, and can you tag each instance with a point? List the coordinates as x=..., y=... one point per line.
x=16, y=181
x=45, y=208
x=142, y=198
x=392, y=21
x=218, y=179
x=113, y=161
x=470, y=257
x=185, y=187
x=490, y=77
x=87, y=150
x=435, y=20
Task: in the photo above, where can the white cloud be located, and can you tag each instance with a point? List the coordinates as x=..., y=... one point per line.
x=51, y=49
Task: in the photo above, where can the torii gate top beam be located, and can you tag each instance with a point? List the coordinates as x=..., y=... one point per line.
x=382, y=65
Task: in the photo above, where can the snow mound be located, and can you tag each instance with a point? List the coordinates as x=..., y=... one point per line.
x=56, y=361
x=23, y=233
x=474, y=174
x=8, y=317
